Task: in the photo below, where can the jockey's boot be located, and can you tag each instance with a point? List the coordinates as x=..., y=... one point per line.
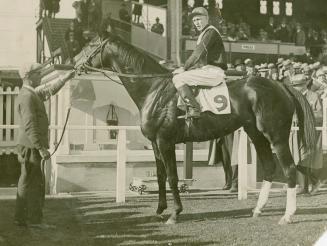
x=193, y=107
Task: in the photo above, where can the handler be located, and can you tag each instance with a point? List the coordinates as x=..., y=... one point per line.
x=206, y=65
x=33, y=143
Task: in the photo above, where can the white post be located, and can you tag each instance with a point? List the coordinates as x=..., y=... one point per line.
x=121, y=166
x=54, y=166
x=242, y=166
x=253, y=168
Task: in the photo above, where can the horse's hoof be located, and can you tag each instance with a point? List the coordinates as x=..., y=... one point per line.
x=256, y=215
x=285, y=220
x=171, y=221
x=159, y=216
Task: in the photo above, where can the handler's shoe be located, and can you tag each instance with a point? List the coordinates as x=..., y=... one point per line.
x=316, y=187
x=20, y=223
x=227, y=187
x=234, y=188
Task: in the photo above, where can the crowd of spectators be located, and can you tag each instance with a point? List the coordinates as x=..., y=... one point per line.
x=282, y=30
x=289, y=71
x=49, y=8
x=84, y=26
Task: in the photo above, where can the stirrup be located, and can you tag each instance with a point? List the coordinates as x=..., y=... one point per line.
x=191, y=113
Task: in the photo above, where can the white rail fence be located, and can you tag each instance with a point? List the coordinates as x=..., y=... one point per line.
x=8, y=136
x=9, y=131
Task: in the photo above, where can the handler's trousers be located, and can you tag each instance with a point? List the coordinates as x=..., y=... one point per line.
x=31, y=188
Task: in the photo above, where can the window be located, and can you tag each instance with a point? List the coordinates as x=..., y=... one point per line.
x=263, y=7
x=289, y=8
x=276, y=8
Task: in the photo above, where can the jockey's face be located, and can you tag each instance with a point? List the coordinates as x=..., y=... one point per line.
x=200, y=21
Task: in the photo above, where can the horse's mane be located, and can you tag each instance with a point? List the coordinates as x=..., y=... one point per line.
x=133, y=57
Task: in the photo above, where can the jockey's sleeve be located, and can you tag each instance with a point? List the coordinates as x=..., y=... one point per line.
x=202, y=49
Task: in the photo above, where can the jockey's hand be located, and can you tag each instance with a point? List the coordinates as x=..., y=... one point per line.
x=179, y=70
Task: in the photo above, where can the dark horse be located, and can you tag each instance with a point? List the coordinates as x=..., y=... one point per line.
x=264, y=108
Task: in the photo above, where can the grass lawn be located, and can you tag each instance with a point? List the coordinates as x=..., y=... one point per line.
x=88, y=219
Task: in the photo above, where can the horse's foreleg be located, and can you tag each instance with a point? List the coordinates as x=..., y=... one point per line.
x=168, y=156
x=162, y=177
x=264, y=152
x=285, y=158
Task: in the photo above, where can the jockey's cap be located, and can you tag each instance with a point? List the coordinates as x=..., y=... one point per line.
x=26, y=68
x=199, y=11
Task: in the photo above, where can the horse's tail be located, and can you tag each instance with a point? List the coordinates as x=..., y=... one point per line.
x=306, y=119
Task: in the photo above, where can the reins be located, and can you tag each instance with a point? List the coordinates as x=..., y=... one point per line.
x=126, y=75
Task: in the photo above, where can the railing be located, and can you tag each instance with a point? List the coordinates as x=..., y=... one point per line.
x=8, y=136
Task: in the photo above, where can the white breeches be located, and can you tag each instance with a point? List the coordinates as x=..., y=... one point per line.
x=206, y=76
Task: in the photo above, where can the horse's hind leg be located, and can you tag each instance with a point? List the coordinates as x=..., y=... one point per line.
x=285, y=158
x=168, y=156
x=162, y=177
x=264, y=152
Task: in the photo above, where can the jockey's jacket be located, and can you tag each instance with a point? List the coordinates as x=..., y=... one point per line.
x=209, y=50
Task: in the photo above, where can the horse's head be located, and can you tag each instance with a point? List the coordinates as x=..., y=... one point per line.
x=116, y=55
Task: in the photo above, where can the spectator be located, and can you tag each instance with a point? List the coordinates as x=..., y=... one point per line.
x=241, y=35
x=271, y=29
x=137, y=12
x=73, y=46
x=93, y=15
x=249, y=66
x=239, y=65
x=79, y=14
x=55, y=7
x=124, y=13
x=106, y=28
x=310, y=164
x=78, y=33
x=282, y=32
x=214, y=13
x=299, y=35
x=157, y=27
x=315, y=44
x=223, y=30
x=263, y=35
x=186, y=25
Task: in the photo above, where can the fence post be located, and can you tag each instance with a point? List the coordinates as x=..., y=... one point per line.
x=8, y=114
x=121, y=166
x=1, y=113
x=242, y=166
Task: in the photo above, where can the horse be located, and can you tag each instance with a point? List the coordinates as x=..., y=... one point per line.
x=264, y=108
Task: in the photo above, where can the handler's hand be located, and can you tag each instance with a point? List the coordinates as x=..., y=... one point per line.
x=67, y=76
x=179, y=70
x=44, y=153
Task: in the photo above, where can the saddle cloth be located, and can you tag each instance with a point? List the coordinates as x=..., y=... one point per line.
x=214, y=99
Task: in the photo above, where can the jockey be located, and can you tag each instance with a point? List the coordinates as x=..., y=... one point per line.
x=206, y=65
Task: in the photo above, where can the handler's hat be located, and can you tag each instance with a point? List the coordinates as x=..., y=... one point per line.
x=27, y=68
x=199, y=11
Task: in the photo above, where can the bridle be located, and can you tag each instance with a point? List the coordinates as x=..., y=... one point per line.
x=108, y=73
